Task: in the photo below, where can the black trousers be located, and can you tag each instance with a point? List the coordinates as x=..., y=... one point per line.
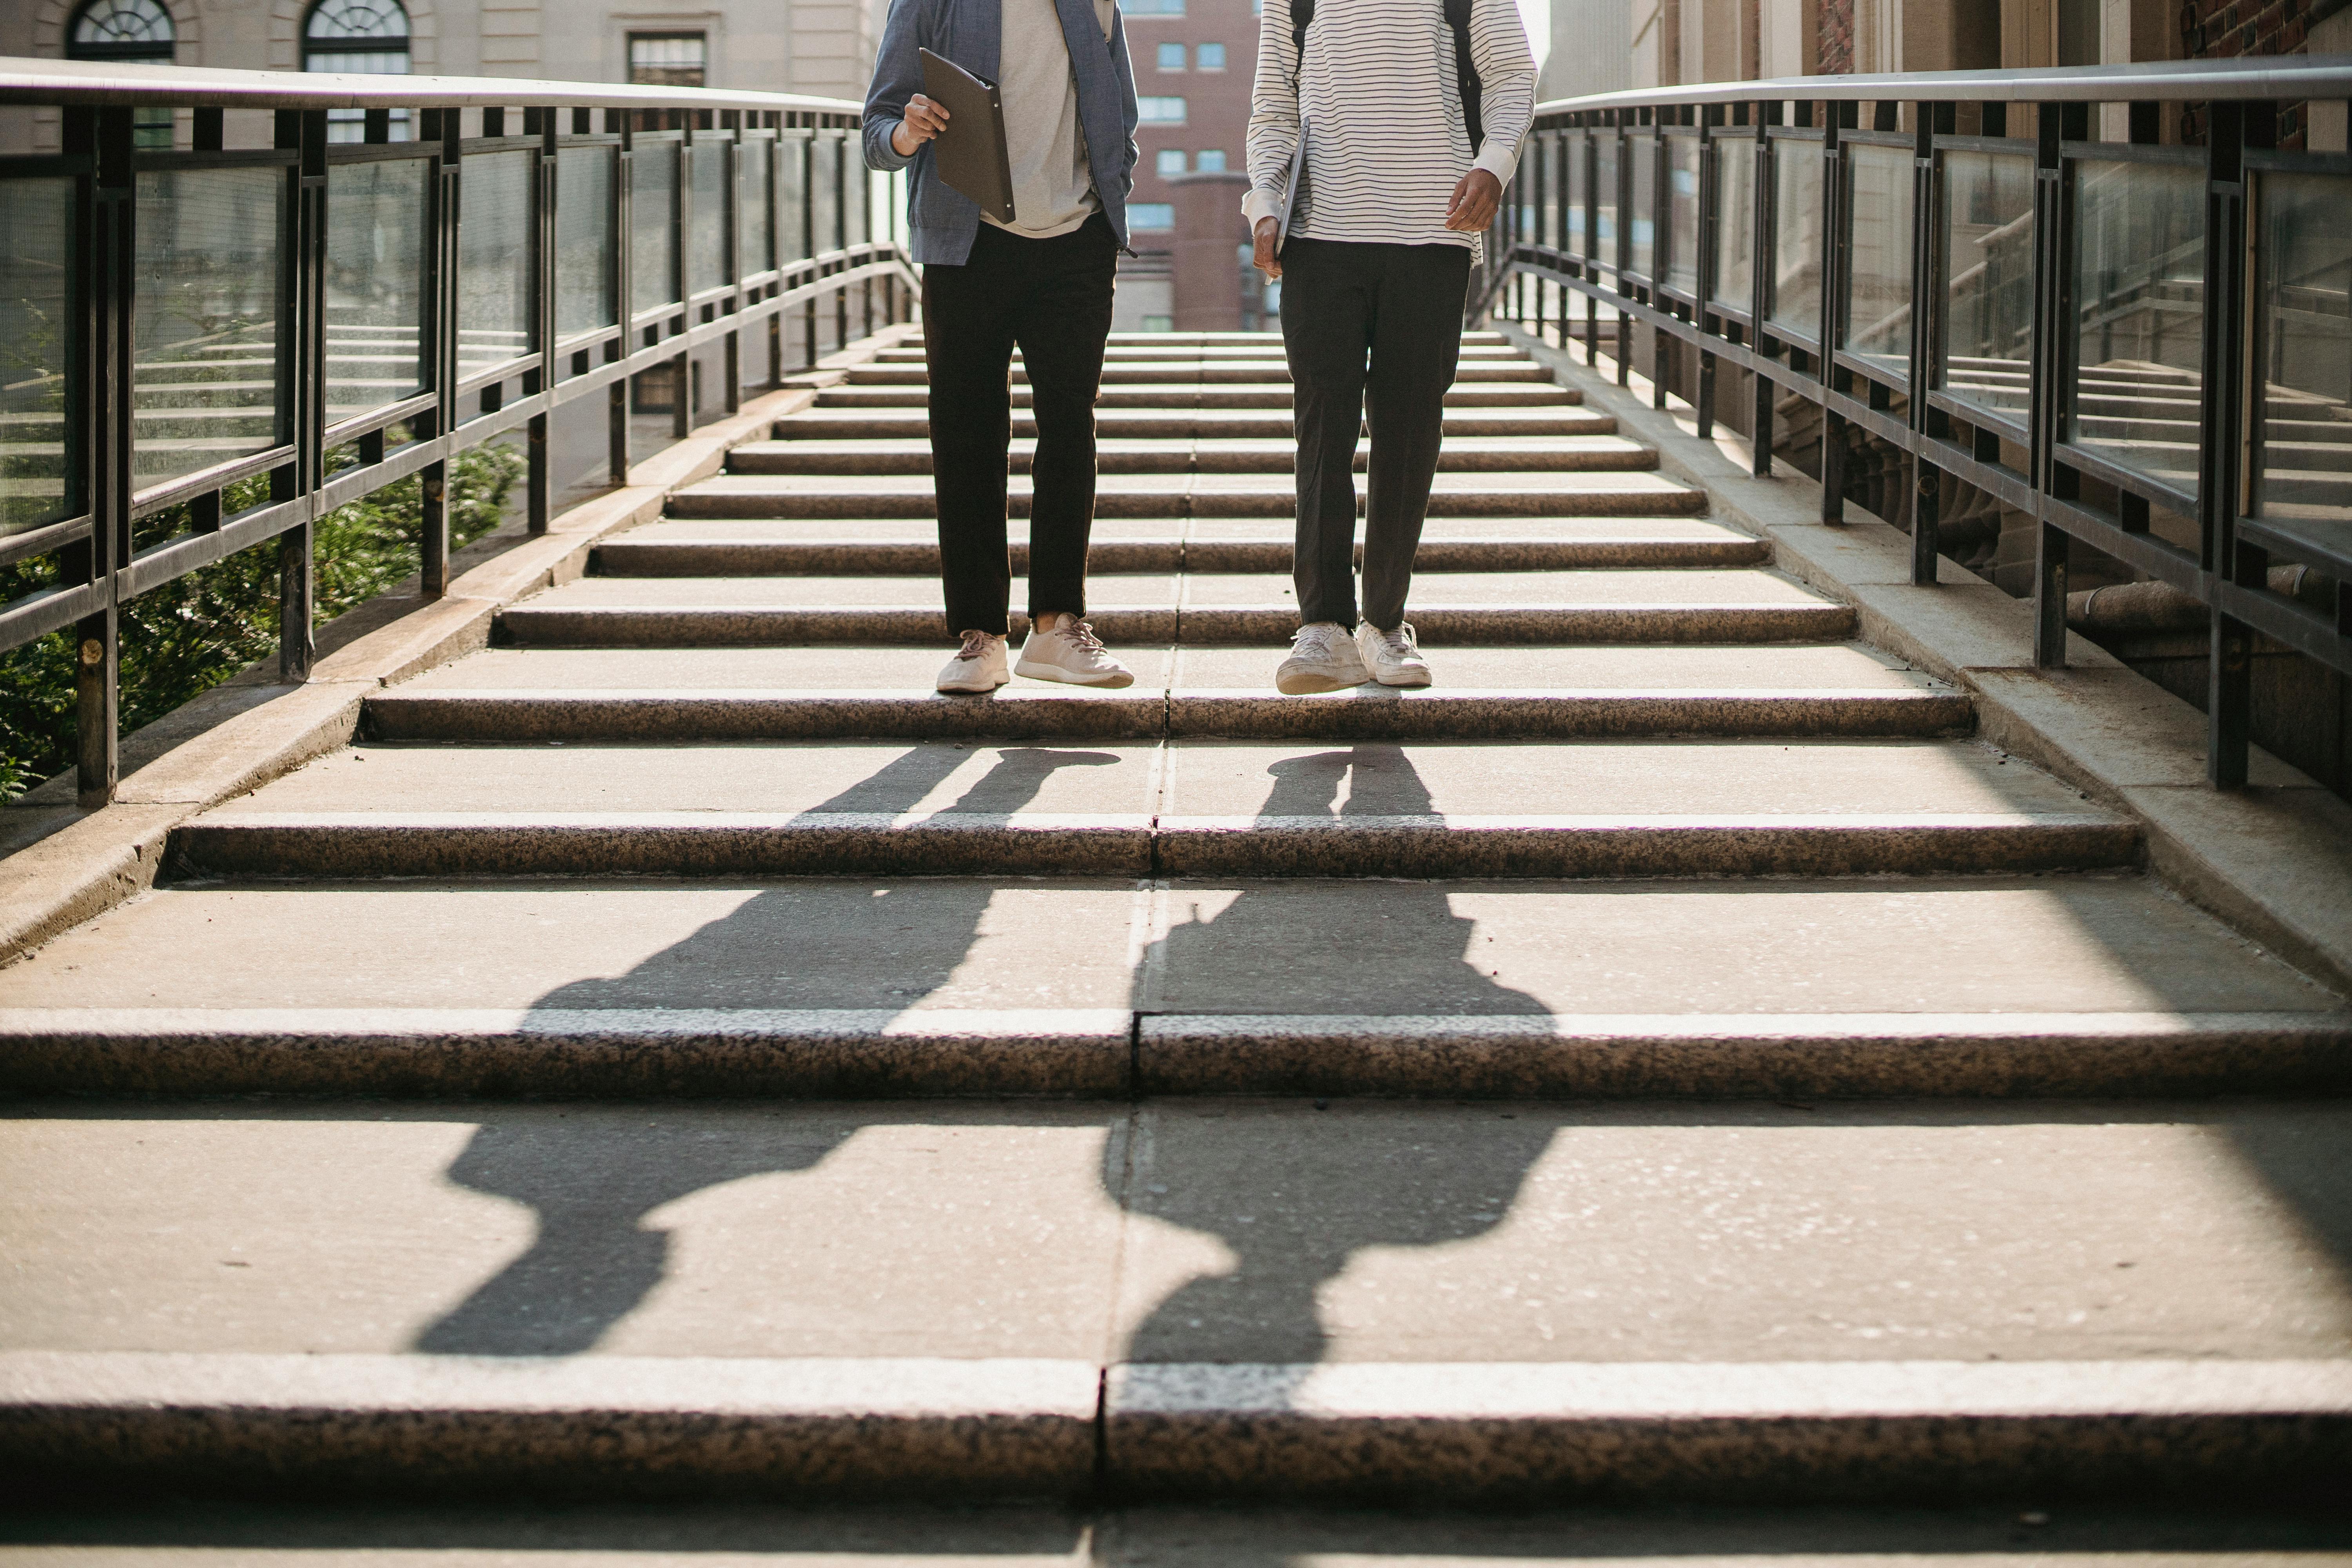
x=1373, y=334
x=1052, y=298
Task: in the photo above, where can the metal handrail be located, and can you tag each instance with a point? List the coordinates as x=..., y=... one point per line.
x=831, y=256
x=84, y=83
x=2098, y=461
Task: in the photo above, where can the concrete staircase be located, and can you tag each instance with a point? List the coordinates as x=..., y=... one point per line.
x=1669, y=1058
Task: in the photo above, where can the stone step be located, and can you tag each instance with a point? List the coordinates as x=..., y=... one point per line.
x=1190, y=808
x=1268, y=347
x=1480, y=494
x=1204, y=424
x=676, y=694
x=1520, y=454
x=2086, y=984
x=1196, y=396
x=707, y=548
x=1632, y=605
x=1165, y=372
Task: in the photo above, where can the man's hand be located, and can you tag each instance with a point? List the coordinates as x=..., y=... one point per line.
x=1265, y=259
x=1475, y=197
x=922, y=120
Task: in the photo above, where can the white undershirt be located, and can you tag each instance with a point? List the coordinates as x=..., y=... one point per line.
x=1052, y=188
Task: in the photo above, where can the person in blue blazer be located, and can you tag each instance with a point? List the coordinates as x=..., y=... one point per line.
x=1041, y=282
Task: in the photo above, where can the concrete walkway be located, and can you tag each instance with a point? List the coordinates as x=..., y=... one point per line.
x=1671, y=1059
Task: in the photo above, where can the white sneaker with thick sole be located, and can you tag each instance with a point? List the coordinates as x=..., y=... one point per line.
x=1392, y=656
x=978, y=666
x=1071, y=653
x=1323, y=659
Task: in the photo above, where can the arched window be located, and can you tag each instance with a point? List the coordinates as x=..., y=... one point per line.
x=133, y=32
x=369, y=37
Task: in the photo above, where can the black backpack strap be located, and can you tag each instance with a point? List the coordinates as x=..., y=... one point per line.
x=1466, y=72
x=1302, y=12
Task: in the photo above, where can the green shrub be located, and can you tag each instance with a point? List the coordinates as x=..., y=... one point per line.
x=191, y=633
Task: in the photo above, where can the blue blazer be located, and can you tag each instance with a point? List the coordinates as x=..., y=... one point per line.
x=942, y=218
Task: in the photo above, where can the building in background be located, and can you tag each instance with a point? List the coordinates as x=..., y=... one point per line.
x=1194, y=60
x=821, y=47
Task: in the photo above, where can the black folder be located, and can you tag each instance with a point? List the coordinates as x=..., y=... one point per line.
x=970, y=152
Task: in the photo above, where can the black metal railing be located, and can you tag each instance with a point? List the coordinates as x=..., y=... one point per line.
x=2144, y=348
x=221, y=344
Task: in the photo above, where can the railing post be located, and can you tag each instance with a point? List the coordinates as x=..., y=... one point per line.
x=1763, y=261
x=445, y=125
x=542, y=315
x=681, y=248
x=616, y=397
x=302, y=362
x=2052, y=310
x=731, y=243
x=2220, y=468
x=1842, y=117
x=107, y=238
x=1927, y=241
x=1623, y=202
x=1706, y=235
x=1662, y=250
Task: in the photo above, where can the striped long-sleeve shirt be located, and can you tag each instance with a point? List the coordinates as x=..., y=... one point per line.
x=1385, y=139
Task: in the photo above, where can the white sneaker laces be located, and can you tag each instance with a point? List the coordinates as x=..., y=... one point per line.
x=1312, y=642
x=1397, y=644
x=975, y=645
x=1081, y=635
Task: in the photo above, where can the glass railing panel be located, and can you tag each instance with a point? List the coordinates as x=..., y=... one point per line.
x=824, y=192
x=1573, y=240
x=1988, y=280
x=1734, y=228
x=2303, y=261
x=494, y=262
x=755, y=230
x=1642, y=223
x=203, y=341
x=1547, y=190
x=586, y=241
x=1606, y=146
x=37, y=273
x=2140, y=310
x=1682, y=213
x=791, y=197
x=376, y=284
x=1797, y=237
x=653, y=227
x=1878, y=273
x=706, y=251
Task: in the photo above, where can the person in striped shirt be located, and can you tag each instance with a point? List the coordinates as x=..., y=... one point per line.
x=1393, y=196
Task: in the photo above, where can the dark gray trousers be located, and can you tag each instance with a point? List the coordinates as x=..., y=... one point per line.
x=1373, y=334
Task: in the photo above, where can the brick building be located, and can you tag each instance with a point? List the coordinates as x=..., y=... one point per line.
x=1194, y=60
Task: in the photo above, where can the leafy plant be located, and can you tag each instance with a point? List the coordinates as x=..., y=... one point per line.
x=186, y=637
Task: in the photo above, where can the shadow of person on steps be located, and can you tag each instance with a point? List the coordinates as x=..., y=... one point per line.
x=829, y=944
x=1296, y=1200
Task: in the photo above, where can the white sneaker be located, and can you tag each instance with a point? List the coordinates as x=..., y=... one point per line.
x=978, y=666
x=1323, y=659
x=1070, y=652
x=1391, y=656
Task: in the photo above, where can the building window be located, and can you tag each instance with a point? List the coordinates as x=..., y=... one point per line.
x=1160, y=110
x=1169, y=161
x=361, y=38
x=1209, y=160
x=1153, y=7
x=1209, y=56
x=1159, y=323
x=669, y=59
x=1172, y=56
x=1151, y=217
x=138, y=32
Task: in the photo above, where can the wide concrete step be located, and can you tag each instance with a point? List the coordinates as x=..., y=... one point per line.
x=1194, y=395
x=1164, y=373
x=1633, y=605
x=2085, y=984
x=1523, y=454
x=1265, y=347
x=1482, y=494
x=716, y=548
x=1205, y=424
x=678, y=695
x=1185, y=808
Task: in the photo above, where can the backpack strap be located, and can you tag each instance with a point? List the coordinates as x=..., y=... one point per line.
x=1466, y=72
x=1302, y=12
